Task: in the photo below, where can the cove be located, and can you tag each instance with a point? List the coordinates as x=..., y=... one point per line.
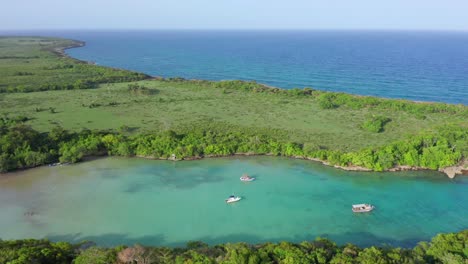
x=114, y=201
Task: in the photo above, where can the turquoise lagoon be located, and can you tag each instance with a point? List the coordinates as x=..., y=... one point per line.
x=123, y=201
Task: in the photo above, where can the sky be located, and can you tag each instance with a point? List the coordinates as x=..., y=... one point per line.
x=235, y=14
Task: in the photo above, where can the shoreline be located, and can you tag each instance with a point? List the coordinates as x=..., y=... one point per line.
x=451, y=171
x=61, y=52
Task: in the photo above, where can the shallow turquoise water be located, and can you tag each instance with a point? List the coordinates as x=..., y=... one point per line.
x=116, y=200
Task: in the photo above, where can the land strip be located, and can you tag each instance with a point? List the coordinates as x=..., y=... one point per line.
x=335, y=128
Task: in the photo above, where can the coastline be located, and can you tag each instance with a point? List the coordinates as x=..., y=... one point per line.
x=61, y=52
x=450, y=171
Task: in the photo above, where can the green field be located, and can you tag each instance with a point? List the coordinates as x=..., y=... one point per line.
x=178, y=105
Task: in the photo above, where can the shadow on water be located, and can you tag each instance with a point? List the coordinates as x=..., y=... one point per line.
x=361, y=239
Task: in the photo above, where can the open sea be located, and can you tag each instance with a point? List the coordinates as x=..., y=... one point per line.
x=421, y=66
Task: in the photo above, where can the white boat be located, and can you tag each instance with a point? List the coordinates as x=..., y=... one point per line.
x=362, y=208
x=233, y=199
x=247, y=178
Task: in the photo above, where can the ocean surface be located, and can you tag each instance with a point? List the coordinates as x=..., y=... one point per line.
x=124, y=201
x=422, y=66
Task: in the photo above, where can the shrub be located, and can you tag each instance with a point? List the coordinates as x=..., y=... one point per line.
x=326, y=101
x=375, y=124
x=137, y=89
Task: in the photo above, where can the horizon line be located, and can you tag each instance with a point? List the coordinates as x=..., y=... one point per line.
x=236, y=29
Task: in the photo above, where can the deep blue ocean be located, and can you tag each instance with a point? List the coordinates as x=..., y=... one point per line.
x=422, y=66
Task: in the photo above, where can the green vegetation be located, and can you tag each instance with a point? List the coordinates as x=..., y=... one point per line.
x=375, y=124
x=24, y=147
x=138, y=89
x=179, y=105
x=167, y=118
x=161, y=117
x=443, y=248
x=30, y=64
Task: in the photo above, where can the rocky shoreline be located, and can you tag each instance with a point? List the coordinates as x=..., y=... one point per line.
x=61, y=51
x=452, y=171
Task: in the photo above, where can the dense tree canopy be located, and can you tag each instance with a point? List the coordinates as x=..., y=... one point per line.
x=23, y=147
x=444, y=248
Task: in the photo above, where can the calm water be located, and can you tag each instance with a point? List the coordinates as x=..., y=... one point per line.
x=422, y=66
x=115, y=200
x=427, y=66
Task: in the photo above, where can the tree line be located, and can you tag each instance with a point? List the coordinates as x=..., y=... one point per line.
x=23, y=147
x=79, y=76
x=443, y=248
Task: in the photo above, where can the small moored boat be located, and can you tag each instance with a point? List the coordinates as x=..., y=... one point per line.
x=247, y=178
x=362, y=208
x=233, y=199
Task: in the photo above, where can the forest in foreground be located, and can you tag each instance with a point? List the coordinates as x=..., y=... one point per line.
x=449, y=248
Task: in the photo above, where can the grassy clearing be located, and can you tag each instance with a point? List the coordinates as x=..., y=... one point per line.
x=184, y=105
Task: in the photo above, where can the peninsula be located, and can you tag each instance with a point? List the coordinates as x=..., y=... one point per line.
x=58, y=109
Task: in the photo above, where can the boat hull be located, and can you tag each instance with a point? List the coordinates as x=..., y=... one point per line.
x=363, y=210
x=247, y=180
x=233, y=200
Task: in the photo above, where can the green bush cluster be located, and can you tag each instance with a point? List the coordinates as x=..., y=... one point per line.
x=18, y=57
x=59, y=66
x=375, y=124
x=96, y=75
x=443, y=248
x=23, y=147
x=23, y=73
x=30, y=251
x=326, y=101
x=137, y=89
